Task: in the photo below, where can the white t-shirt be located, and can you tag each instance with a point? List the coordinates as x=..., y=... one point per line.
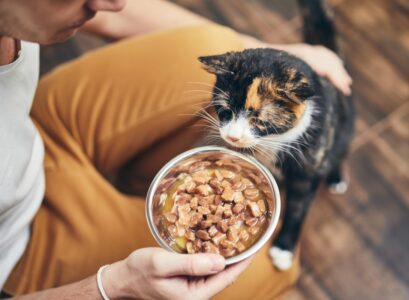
x=21, y=157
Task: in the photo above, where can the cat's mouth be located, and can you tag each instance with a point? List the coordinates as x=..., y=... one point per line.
x=238, y=144
x=237, y=133
x=247, y=150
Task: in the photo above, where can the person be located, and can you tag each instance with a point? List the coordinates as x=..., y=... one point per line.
x=122, y=107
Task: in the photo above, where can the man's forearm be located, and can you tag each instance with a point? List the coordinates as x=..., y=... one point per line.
x=142, y=16
x=115, y=280
x=85, y=289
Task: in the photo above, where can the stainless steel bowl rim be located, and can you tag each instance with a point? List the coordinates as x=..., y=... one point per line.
x=169, y=165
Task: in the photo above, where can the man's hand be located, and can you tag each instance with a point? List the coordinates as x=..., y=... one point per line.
x=325, y=62
x=153, y=273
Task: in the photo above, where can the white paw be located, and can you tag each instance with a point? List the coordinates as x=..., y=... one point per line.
x=282, y=259
x=338, y=188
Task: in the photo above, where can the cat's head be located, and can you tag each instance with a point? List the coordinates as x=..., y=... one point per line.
x=260, y=94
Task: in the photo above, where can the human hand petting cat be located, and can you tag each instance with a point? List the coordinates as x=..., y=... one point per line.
x=321, y=59
x=154, y=273
x=325, y=62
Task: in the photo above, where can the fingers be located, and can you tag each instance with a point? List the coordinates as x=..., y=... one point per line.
x=167, y=264
x=337, y=73
x=220, y=281
x=340, y=79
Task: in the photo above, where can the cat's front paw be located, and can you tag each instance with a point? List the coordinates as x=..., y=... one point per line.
x=281, y=259
x=339, y=187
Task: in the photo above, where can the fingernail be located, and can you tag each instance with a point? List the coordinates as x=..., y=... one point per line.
x=218, y=263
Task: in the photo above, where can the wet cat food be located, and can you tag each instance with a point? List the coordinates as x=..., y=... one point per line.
x=213, y=207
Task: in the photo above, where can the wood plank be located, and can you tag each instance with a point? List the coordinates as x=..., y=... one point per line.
x=397, y=135
x=370, y=221
x=336, y=254
x=370, y=133
x=202, y=8
x=288, y=9
x=378, y=88
x=384, y=27
x=308, y=287
x=251, y=17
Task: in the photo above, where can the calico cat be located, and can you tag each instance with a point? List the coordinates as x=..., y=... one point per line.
x=273, y=105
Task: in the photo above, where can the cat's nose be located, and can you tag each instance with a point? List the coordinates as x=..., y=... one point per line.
x=232, y=138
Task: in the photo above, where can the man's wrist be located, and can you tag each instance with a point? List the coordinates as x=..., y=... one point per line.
x=115, y=280
x=9, y=49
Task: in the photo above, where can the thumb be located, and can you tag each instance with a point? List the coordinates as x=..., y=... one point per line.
x=216, y=283
x=171, y=264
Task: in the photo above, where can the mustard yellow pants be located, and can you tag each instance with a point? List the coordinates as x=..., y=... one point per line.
x=132, y=101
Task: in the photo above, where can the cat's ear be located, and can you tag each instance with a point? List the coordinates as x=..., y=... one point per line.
x=300, y=88
x=303, y=91
x=216, y=64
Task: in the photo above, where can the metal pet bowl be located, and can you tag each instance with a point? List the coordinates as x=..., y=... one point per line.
x=180, y=163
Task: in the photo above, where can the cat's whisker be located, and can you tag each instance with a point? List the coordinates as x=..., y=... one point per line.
x=283, y=148
x=209, y=128
x=209, y=85
x=212, y=139
x=267, y=154
x=262, y=151
x=273, y=146
x=197, y=91
x=208, y=117
x=219, y=110
x=214, y=94
x=221, y=95
x=220, y=102
x=286, y=145
x=201, y=105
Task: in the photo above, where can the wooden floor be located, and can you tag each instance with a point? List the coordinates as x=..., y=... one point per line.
x=354, y=246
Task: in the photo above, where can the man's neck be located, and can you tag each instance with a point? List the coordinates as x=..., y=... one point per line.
x=9, y=50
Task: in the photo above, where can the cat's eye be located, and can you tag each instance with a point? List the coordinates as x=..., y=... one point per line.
x=225, y=114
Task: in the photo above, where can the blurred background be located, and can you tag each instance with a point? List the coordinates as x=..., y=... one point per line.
x=354, y=246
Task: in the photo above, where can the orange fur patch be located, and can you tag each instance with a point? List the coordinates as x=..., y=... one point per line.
x=253, y=100
x=264, y=89
x=291, y=73
x=299, y=109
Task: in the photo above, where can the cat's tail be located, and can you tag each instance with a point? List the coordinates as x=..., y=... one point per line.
x=319, y=28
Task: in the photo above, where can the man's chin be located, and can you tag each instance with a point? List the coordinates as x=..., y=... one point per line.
x=60, y=36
